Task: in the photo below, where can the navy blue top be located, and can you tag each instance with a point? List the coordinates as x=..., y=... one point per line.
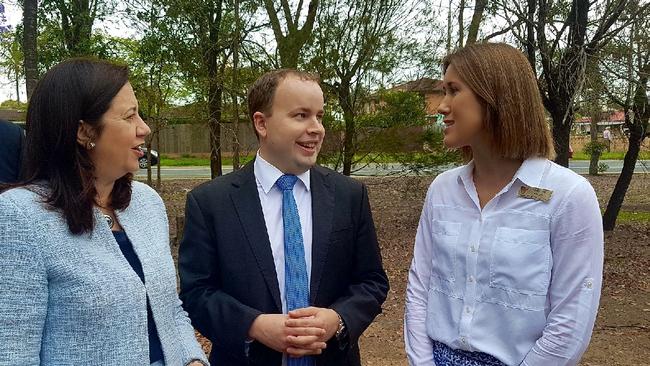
x=155, y=349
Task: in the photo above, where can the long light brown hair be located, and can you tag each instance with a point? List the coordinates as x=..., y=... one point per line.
x=505, y=85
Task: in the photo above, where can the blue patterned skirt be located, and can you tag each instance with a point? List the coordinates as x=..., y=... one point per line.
x=443, y=355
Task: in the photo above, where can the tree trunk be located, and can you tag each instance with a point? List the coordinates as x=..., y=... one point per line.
x=215, y=91
x=77, y=23
x=158, y=178
x=623, y=182
x=636, y=118
x=214, y=123
x=288, y=56
x=290, y=45
x=235, y=83
x=30, y=33
x=561, y=136
x=530, y=35
x=17, y=88
x=477, y=16
x=149, y=167
x=593, y=158
x=449, y=27
x=461, y=24
x=348, y=142
x=345, y=101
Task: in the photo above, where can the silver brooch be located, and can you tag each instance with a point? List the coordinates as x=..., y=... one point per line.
x=109, y=220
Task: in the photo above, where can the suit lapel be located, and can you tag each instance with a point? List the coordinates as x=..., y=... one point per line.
x=322, y=202
x=249, y=210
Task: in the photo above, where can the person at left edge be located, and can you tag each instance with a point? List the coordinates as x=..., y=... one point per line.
x=11, y=146
x=86, y=274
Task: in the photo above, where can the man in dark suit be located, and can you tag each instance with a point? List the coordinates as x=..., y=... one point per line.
x=11, y=146
x=279, y=262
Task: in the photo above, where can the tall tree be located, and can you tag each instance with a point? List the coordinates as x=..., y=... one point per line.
x=290, y=41
x=628, y=63
x=30, y=53
x=155, y=77
x=11, y=58
x=200, y=36
x=354, y=39
x=561, y=37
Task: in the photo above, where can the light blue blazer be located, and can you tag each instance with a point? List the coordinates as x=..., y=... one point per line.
x=74, y=299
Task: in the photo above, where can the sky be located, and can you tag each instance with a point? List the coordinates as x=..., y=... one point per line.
x=115, y=25
x=13, y=17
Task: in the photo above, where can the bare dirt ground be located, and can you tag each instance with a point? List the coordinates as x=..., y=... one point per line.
x=622, y=332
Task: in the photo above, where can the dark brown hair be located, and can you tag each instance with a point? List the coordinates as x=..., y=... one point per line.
x=74, y=90
x=505, y=85
x=262, y=92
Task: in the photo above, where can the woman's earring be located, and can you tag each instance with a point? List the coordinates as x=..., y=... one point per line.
x=90, y=145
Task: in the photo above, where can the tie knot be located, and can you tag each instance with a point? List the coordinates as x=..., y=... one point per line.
x=286, y=182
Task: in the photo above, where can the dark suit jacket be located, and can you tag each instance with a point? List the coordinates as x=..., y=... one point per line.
x=228, y=275
x=11, y=146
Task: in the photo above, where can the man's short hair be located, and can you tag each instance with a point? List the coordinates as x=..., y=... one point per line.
x=262, y=92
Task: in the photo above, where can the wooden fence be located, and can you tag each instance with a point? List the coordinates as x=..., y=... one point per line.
x=194, y=139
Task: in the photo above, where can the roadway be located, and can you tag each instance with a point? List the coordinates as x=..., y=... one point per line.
x=579, y=166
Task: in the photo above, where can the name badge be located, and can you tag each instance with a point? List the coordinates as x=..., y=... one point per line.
x=534, y=193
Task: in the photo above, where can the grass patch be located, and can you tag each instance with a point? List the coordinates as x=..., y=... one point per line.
x=184, y=161
x=633, y=216
x=189, y=160
x=614, y=155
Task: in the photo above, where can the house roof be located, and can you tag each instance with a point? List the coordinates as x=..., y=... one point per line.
x=423, y=85
x=607, y=118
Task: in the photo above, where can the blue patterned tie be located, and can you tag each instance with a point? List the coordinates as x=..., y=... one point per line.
x=296, y=285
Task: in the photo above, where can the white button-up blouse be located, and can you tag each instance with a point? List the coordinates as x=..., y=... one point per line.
x=519, y=279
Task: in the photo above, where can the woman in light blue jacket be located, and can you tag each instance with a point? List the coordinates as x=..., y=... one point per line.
x=86, y=275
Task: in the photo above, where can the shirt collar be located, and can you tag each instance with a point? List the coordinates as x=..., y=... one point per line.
x=465, y=174
x=530, y=172
x=267, y=174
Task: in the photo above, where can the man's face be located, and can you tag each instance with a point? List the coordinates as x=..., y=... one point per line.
x=292, y=135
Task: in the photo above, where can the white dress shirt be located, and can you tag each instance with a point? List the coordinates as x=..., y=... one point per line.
x=271, y=199
x=519, y=279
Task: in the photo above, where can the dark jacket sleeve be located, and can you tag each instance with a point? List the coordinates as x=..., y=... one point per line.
x=11, y=150
x=368, y=288
x=217, y=315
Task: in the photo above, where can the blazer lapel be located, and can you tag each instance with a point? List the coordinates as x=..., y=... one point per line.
x=249, y=210
x=322, y=202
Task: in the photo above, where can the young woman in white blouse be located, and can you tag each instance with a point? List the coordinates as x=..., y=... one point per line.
x=508, y=257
